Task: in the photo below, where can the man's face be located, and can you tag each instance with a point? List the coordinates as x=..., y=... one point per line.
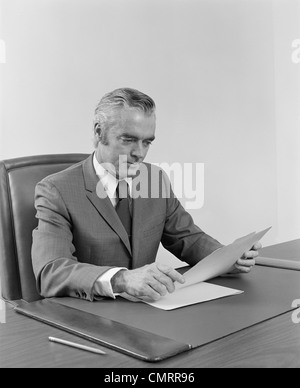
x=129, y=138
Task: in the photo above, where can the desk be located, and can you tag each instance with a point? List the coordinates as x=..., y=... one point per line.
x=284, y=251
x=275, y=343
x=284, y=255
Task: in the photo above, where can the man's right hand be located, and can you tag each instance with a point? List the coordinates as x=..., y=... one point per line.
x=148, y=283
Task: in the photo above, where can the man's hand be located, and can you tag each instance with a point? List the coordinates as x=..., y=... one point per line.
x=148, y=283
x=247, y=261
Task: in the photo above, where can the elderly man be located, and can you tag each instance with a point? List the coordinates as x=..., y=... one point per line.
x=95, y=236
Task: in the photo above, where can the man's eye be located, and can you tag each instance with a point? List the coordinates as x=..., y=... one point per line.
x=125, y=140
x=148, y=143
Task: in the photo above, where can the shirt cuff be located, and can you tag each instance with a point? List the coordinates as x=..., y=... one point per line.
x=103, y=286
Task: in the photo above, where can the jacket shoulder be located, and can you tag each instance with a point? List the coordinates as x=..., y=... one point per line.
x=69, y=174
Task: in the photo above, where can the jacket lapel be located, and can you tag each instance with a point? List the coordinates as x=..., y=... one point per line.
x=97, y=196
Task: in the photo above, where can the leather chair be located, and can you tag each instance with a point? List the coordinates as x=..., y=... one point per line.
x=18, y=178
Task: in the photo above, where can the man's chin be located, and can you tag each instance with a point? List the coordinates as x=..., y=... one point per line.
x=133, y=170
x=129, y=171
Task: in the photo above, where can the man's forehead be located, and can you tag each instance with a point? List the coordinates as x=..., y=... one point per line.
x=134, y=114
x=134, y=123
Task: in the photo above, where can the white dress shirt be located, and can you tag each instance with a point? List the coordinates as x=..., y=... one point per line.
x=103, y=286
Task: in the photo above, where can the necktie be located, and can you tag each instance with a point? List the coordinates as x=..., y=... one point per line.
x=122, y=208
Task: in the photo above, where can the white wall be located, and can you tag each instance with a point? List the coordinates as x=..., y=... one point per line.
x=210, y=66
x=287, y=99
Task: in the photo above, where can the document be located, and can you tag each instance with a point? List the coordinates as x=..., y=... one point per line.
x=221, y=261
x=194, y=294
x=196, y=290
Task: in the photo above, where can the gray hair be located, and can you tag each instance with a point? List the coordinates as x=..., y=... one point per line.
x=116, y=100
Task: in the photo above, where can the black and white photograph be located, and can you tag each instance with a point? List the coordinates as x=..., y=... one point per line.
x=149, y=186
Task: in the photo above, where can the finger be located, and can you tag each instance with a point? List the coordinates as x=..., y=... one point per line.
x=148, y=294
x=148, y=299
x=158, y=287
x=257, y=246
x=171, y=273
x=130, y=297
x=166, y=281
x=250, y=254
x=246, y=263
x=243, y=269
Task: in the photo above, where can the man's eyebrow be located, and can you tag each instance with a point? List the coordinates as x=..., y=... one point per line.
x=128, y=135
x=152, y=138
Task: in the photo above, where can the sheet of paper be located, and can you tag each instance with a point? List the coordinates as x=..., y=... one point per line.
x=196, y=293
x=195, y=290
x=221, y=261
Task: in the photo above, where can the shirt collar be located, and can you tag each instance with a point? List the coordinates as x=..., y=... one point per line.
x=109, y=181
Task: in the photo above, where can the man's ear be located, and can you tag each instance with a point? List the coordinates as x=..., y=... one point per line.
x=97, y=129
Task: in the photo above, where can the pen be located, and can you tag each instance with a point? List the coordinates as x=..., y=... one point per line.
x=77, y=346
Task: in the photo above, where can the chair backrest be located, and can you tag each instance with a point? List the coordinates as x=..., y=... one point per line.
x=18, y=178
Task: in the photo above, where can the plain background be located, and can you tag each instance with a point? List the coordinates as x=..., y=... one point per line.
x=220, y=71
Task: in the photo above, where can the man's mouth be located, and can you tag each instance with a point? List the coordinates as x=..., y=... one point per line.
x=133, y=164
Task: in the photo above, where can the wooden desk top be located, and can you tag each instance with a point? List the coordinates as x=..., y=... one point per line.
x=272, y=344
x=275, y=343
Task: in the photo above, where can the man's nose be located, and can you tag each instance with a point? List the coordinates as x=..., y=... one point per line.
x=138, y=151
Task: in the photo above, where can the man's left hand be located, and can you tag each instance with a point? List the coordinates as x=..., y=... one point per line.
x=247, y=261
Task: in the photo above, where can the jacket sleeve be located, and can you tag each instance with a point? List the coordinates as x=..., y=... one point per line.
x=181, y=236
x=57, y=270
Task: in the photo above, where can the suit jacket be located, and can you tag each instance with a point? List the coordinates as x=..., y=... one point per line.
x=80, y=236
